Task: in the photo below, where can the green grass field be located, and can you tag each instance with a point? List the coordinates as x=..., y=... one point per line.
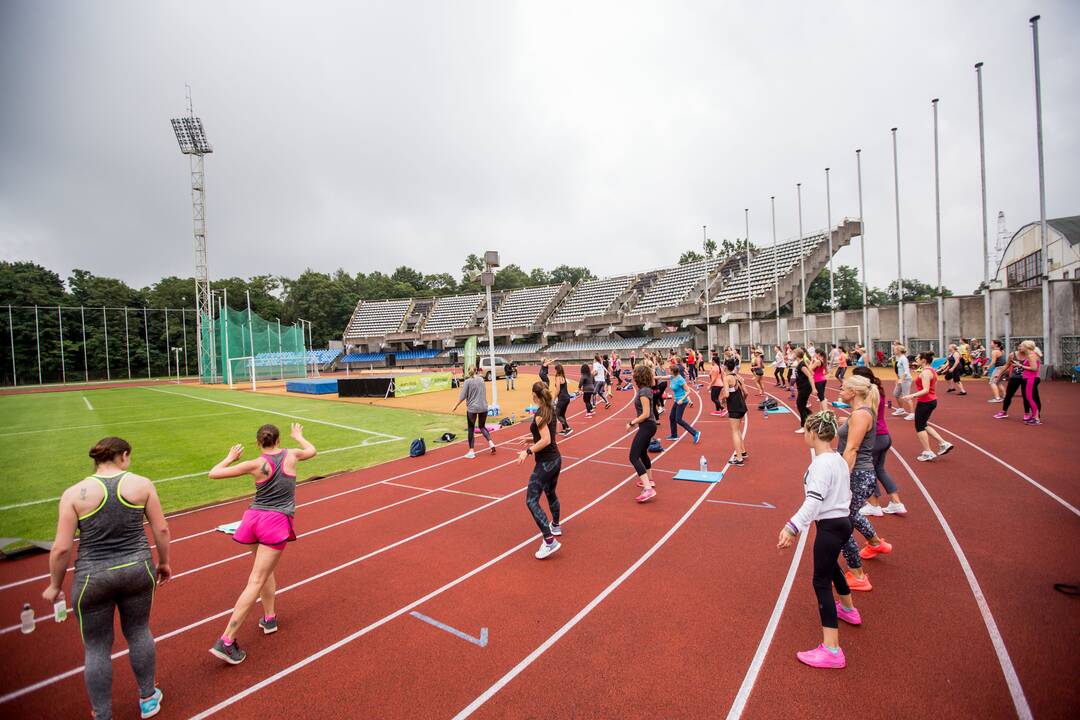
x=178, y=433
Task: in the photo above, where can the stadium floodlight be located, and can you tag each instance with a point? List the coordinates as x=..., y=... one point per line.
x=487, y=279
x=191, y=136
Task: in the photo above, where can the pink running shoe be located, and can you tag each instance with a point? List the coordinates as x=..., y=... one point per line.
x=1000, y=415
x=646, y=495
x=1027, y=416
x=851, y=617
x=819, y=657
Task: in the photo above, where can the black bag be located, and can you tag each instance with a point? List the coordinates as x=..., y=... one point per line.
x=655, y=446
x=417, y=448
x=446, y=437
x=768, y=404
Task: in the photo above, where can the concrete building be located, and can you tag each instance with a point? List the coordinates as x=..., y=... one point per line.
x=1021, y=261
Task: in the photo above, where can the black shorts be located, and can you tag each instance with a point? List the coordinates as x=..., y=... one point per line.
x=923, y=410
x=759, y=372
x=736, y=414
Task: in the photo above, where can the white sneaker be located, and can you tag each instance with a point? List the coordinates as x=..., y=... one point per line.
x=926, y=456
x=556, y=530
x=868, y=509
x=800, y=431
x=994, y=400
x=895, y=508
x=899, y=411
x=944, y=448
x=909, y=416
x=546, y=548
x=470, y=455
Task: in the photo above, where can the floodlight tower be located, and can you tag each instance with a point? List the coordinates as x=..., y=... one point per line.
x=193, y=143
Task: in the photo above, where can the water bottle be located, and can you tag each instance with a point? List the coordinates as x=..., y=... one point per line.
x=703, y=464
x=888, y=404
x=60, y=609
x=27, y=618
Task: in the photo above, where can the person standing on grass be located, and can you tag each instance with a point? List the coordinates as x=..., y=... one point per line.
x=545, y=475
x=474, y=394
x=882, y=443
x=267, y=524
x=114, y=570
x=826, y=503
x=716, y=386
x=1031, y=357
x=735, y=400
x=925, y=399
x=804, y=383
x=857, y=437
x=586, y=387
x=645, y=422
x=903, y=383
x=682, y=400
x=562, y=399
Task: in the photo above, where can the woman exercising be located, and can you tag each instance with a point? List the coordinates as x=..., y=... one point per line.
x=736, y=407
x=645, y=422
x=545, y=475
x=562, y=399
x=925, y=399
x=474, y=395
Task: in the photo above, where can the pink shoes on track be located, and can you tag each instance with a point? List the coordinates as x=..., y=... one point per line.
x=820, y=657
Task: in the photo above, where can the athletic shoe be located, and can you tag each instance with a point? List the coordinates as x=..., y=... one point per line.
x=895, y=508
x=944, y=448
x=860, y=584
x=819, y=657
x=800, y=431
x=470, y=455
x=871, y=551
x=717, y=413
x=556, y=530
x=909, y=416
x=566, y=432
x=736, y=461
x=268, y=626
x=1000, y=415
x=851, y=617
x=1027, y=416
x=231, y=654
x=899, y=411
x=151, y=706
x=547, y=548
x=951, y=390
x=491, y=446
x=994, y=400
x=672, y=437
x=646, y=495
x=697, y=437
x=1033, y=421
x=962, y=393
x=868, y=509
x=926, y=456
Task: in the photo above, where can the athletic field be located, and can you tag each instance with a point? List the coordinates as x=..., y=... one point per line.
x=178, y=433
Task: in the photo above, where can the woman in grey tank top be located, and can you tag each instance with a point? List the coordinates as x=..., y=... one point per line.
x=114, y=570
x=266, y=526
x=856, y=443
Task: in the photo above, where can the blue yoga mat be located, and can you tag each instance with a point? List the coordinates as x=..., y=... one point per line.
x=841, y=405
x=698, y=476
x=229, y=528
x=779, y=410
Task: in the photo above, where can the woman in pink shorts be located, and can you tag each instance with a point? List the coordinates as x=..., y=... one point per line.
x=267, y=524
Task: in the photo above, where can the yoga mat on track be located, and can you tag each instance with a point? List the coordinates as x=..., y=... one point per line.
x=229, y=528
x=698, y=476
x=777, y=410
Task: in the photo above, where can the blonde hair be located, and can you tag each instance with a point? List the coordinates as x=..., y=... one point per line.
x=1031, y=347
x=900, y=348
x=865, y=389
x=823, y=424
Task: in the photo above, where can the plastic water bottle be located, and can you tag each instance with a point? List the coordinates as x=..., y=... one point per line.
x=27, y=618
x=703, y=464
x=888, y=404
x=60, y=609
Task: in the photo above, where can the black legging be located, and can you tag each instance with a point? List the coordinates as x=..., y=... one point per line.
x=1010, y=390
x=658, y=394
x=820, y=386
x=587, y=395
x=831, y=536
x=560, y=412
x=477, y=420
x=544, y=478
x=802, y=402
x=714, y=394
x=778, y=375
x=639, y=448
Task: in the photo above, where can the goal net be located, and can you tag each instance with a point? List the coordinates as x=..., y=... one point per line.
x=240, y=347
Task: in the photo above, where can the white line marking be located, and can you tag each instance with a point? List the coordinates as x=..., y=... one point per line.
x=762, y=505
x=608, y=462
x=482, y=641
x=88, y=405
x=275, y=412
x=119, y=422
x=458, y=492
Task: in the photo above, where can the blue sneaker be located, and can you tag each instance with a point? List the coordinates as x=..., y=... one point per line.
x=151, y=706
x=697, y=437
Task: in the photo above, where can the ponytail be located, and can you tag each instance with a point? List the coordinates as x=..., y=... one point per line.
x=545, y=411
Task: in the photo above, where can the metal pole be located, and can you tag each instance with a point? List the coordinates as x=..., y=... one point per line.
x=987, y=324
x=937, y=235
x=832, y=285
x=85, y=367
x=775, y=275
x=281, y=360
x=183, y=319
x=105, y=322
x=63, y=364
x=802, y=258
x=708, y=315
x=862, y=249
x=251, y=338
x=491, y=347
x=127, y=342
x=11, y=336
x=146, y=337
x=749, y=296
x=1048, y=346
x=168, y=348
x=37, y=336
x=225, y=327
x=899, y=270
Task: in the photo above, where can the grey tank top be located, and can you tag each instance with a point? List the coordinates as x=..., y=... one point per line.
x=864, y=456
x=112, y=534
x=277, y=492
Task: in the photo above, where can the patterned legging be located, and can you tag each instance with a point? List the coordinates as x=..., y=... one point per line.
x=862, y=485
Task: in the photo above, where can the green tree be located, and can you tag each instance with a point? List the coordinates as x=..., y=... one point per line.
x=473, y=264
x=847, y=290
x=690, y=256
x=24, y=285
x=511, y=277
x=572, y=275
x=914, y=290
x=406, y=275
x=539, y=276
x=440, y=283
x=710, y=248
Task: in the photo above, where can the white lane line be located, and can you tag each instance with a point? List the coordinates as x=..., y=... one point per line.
x=119, y=422
x=458, y=492
x=75, y=671
x=275, y=412
x=408, y=608
x=88, y=405
x=1011, y=678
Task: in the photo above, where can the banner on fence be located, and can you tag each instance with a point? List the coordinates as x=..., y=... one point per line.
x=416, y=384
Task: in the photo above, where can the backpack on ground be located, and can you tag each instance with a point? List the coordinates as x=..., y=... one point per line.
x=655, y=446
x=768, y=404
x=417, y=448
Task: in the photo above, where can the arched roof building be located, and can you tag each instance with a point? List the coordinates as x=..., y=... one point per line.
x=1021, y=262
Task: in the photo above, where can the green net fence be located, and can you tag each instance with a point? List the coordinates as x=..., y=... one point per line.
x=237, y=344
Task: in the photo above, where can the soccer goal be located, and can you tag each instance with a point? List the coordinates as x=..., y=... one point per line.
x=241, y=370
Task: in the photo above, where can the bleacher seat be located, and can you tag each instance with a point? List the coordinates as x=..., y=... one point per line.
x=316, y=357
x=590, y=298
x=381, y=356
x=521, y=308
x=762, y=269
x=597, y=345
x=375, y=319
x=669, y=342
x=674, y=286
x=453, y=312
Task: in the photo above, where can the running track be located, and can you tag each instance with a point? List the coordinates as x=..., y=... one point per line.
x=654, y=611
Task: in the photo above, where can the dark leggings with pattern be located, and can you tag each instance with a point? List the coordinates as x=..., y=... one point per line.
x=475, y=420
x=862, y=485
x=544, y=478
x=831, y=536
x=1010, y=390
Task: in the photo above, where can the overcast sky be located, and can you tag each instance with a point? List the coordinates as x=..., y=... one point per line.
x=367, y=135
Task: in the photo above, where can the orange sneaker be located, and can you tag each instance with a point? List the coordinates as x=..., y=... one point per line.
x=872, y=551
x=862, y=584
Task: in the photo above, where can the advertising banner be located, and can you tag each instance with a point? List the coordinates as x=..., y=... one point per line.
x=416, y=384
x=470, y=354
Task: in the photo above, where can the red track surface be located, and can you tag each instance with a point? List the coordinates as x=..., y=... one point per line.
x=595, y=631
